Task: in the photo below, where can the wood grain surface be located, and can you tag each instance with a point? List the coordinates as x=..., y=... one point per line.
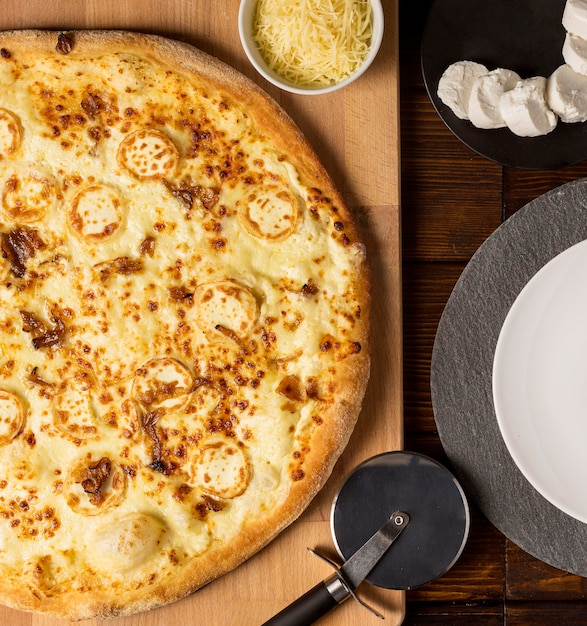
x=356, y=134
x=452, y=200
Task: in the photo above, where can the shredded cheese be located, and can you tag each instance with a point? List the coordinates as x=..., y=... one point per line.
x=313, y=42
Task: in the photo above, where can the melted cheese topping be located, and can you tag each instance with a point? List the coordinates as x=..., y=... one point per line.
x=152, y=304
x=9, y=133
x=313, y=42
x=95, y=213
x=11, y=416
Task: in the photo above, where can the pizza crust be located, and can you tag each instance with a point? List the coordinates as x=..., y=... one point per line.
x=149, y=401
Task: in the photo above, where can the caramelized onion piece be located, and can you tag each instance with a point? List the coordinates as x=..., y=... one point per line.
x=230, y=334
x=182, y=192
x=35, y=379
x=43, y=337
x=18, y=246
x=291, y=388
x=123, y=265
x=64, y=43
x=188, y=192
x=52, y=337
x=94, y=477
x=162, y=383
x=31, y=323
x=149, y=426
x=94, y=485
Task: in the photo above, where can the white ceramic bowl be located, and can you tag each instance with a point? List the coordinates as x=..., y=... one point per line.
x=245, y=28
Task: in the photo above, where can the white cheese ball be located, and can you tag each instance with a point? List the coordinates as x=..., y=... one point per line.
x=575, y=53
x=525, y=110
x=454, y=87
x=566, y=93
x=485, y=99
x=575, y=17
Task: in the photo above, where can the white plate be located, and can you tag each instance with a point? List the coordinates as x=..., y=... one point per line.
x=540, y=381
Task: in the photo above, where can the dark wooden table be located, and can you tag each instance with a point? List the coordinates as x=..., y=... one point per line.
x=452, y=200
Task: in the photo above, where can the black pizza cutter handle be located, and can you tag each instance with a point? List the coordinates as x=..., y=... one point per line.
x=343, y=583
x=313, y=605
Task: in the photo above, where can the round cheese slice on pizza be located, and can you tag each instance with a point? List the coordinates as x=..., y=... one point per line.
x=184, y=321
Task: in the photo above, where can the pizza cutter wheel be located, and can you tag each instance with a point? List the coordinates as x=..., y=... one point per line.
x=399, y=521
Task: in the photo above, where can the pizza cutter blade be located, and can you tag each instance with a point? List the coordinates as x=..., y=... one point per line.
x=399, y=521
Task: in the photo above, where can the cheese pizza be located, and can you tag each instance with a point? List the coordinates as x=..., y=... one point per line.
x=184, y=321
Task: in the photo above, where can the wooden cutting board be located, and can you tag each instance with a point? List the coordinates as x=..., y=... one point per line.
x=356, y=134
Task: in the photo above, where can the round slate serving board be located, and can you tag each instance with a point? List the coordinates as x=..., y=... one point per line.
x=461, y=375
x=526, y=36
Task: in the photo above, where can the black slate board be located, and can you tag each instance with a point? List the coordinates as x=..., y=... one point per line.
x=526, y=36
x=461, y=375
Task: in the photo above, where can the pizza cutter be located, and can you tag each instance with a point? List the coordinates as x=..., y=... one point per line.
x=399, y=521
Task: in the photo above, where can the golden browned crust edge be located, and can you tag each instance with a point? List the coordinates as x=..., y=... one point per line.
x=330, y=439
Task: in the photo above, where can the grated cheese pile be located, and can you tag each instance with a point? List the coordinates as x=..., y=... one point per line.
x=313, y=42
